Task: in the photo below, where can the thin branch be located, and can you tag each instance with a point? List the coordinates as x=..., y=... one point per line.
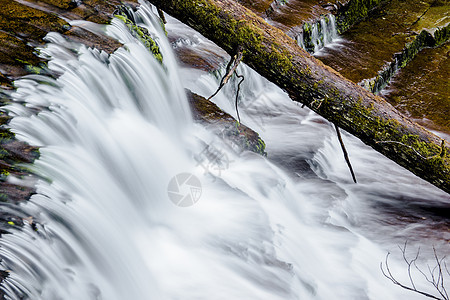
x=440, y=287
x=231, y=68
x=237, y=94
x=437, y=280
x=392, y=278
x=345, y=152
x=409, y=263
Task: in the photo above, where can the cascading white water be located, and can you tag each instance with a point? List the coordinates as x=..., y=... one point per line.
x=114, y=130
x=321, y=34
x=328, y=25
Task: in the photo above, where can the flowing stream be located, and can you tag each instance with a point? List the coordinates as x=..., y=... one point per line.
x=115, y=130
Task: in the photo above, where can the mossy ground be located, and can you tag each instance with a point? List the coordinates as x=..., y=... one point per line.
x=396, y=26
x=23, y=27
x=355, y=11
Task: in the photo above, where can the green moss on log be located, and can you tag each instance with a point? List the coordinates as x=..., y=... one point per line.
x=392, y=138
x=236, y=33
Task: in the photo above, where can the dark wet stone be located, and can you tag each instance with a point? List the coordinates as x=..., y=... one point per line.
x=209, y=114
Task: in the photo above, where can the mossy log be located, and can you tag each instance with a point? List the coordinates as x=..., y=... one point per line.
x=307, y=80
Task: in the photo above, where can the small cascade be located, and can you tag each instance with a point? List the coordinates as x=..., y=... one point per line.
x=276, y=4
x=315, y=36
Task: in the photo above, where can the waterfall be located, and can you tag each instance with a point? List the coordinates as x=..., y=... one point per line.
x=318, y=35
x=115, y=133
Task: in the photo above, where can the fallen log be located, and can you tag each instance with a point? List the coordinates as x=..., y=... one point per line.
x=307, y=80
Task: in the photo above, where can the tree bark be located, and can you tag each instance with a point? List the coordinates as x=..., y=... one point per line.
x=307, y=80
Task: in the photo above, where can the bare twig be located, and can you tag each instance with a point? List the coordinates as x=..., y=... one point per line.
x=241, y=77
x=345, y=152
x=409, y=263
x=231, y=68
x=435, y=277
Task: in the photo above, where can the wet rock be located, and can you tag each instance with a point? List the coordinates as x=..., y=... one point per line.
x=421, y=89
x=400, y=60
x=64, y=4
x=258, y=6
x=90, y=39
x=223, y=124
x=13, y=155
x=370, y=44
x=193, y=52
x=191, y=58
x=29, y=23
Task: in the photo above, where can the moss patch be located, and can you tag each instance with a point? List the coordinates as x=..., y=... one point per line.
x=141, y=33
x=354, y=11
x=25, y=22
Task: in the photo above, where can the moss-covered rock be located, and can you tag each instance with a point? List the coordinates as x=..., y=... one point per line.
x=28, y=23
x=209, y=114
x=354, y=11
x=124, y=13
x=427, y=100
x=401, y=59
